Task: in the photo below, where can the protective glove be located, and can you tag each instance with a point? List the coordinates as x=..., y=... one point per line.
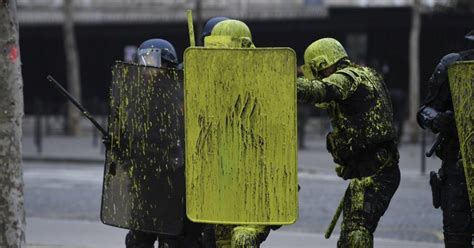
x=339, y=170
x=343, y=172
x=443, y=122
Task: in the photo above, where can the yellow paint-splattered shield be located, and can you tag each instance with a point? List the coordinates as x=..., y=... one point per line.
x=240, y=123
x=144, y=170
x=461, y=81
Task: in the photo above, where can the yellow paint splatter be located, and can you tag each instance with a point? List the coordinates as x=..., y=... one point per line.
x=461, y=82
x=240, y=112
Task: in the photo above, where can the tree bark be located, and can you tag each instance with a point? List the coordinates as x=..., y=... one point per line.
x=12, y=213
x=414, y=55
x=199, y=20
x=72, y=65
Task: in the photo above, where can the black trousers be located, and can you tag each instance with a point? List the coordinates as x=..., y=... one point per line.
x=458, y=224
x=191, y=238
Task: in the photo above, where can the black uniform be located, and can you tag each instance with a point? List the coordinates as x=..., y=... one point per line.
x=449, y=184
x=160, y=53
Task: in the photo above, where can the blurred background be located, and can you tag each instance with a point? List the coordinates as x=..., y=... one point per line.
x=403, y=39
x=77, y=41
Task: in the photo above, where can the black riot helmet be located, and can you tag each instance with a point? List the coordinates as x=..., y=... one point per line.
x=207, y=30
x=157, y=53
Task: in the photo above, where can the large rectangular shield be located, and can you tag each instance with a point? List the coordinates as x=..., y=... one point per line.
x=240, y=118
x=461, y=82
x=144, y=173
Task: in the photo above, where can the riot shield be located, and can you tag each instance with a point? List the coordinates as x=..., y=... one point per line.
x=240, y=126
x=144, y=174
x=461, y=82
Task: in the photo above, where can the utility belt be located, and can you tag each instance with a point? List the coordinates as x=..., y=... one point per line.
x=366, y=161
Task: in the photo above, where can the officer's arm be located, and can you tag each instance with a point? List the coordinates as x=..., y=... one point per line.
x=438, y=98
x=338, y=86
x=437, y=115
x=425, y=116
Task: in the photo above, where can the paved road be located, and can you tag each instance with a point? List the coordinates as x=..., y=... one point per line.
x=51, y=233
x=72, y=192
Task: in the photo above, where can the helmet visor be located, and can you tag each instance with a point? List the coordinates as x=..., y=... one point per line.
x=149, y=57
x=225, y=41
x=218, y=41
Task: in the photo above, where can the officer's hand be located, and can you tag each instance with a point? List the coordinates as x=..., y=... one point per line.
x=443, y=122
x=342, y=171
x=339, y=170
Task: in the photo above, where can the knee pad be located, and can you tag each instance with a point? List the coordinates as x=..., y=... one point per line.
x=244, y=237
x=360, y=238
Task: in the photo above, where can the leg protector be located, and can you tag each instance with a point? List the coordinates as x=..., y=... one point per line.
x=361, y=238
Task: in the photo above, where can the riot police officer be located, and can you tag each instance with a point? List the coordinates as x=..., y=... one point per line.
x=449, y=184
x=362, y=142
x=235, y=235
x=157, y=53
x=210, y=24
x=161, y=53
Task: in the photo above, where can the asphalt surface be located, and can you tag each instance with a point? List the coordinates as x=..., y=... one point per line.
x=63, y=183
x=73, y=192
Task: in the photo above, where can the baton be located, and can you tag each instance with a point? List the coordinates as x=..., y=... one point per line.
x=335, y=218
x=77, y=104
x=192, y=41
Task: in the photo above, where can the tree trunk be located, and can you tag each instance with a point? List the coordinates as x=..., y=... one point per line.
x=414, y=55
x=72, y=65
x=199, y=20
x=12, y=213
